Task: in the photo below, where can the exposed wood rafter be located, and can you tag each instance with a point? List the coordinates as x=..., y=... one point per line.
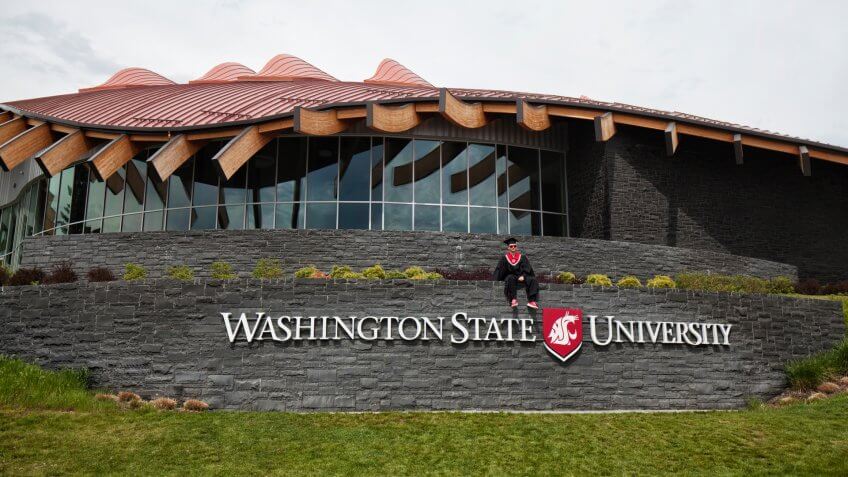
x=532, y=118
x=23, y=146
x=604, y=127
x=5, y=116
x=318, y=123
x=467, y=115
x=804, y=160
x=737, y=149
x=12, y=128
x=239, y=150
x=105, y=162
x=391, y=119
x=671, y=140
x=173, y=154
x=63, y=153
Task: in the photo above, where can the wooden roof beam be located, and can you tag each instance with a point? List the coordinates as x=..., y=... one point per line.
x=106, y=162
x=63, y=153
x=12, y=128
x=467, y=115
x=5, y=116
x=532, y=118
x=604, y=127
x=239, y=150
x=172, y=155
x=804, y=160
x=671, y=140
x=318, y=123
x=737, y=149
x=23, y=146
x=391, y=119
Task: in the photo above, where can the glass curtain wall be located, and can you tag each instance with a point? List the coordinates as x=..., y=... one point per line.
x=347, y=182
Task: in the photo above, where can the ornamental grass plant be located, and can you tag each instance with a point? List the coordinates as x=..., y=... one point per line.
x=62, y=272
x=223, y=271
x=661, y=281
x=133, y=271
x=598, y=280
x=181, y=272
x=27, y=276
x=733, y=283
x=267, y=269
x=810, y=372
x=100, y=274
x=23, y=385
x=629, y=282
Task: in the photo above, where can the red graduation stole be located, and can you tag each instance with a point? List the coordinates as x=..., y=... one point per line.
x=513, y=258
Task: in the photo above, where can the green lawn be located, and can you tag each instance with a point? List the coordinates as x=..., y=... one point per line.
x=809, y=439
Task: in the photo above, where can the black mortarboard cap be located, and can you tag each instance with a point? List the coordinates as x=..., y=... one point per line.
x=510, y=241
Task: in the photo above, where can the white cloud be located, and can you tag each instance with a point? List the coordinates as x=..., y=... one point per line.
x=774, y=65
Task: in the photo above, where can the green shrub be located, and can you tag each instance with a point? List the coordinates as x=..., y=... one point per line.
x=306, y=272
x=807, y=373
x=181, y=272
x=567, y=277
x=267, y=269
x=781, y=285
x=395, y=275
x=222, y=271
x=629, y=282
x=134, y=271
x=412, y=272
x=374, y=273
x=340, y=271
x=598, y=279
x=427, y=276
x=661, y=281
x=733, y=283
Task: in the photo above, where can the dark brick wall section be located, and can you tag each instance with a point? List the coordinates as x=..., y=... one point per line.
x=588, y=187
x=325, y=248
x=167, y=338
x=700, y=199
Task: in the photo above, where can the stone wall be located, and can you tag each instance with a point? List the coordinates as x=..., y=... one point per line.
x=325, y=248
x=164, y=337
x=700, y=199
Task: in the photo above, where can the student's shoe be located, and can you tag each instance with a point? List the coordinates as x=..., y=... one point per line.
x=513, y=303
x=533, y=305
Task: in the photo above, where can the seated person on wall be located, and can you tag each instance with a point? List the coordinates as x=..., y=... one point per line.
x=514, y=268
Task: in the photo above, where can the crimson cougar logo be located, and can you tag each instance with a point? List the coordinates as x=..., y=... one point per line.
x=563, y=331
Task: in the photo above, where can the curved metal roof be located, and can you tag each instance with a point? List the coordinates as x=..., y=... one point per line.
x=224, y=73
x=391, y=72
x=130, y=77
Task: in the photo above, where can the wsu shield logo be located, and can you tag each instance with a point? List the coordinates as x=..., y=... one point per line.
x=563, y=331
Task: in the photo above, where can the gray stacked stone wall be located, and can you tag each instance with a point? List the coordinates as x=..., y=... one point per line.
x=325, y=248
x=700, y=199
x=164, y=337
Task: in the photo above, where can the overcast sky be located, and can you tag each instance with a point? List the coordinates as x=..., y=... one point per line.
x=776, y=65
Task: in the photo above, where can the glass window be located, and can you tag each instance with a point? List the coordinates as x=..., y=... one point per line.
x=260, y=216
x=203, y=218
x=231, y=199
x=523, y=172
x=154, y=200
x=376, y=216
x=503, y=221
x=52, y=200
x=5, y=214
x=261, y=173
x=323, y=170
x=426, y=165
x=66, y=191
x=353, y=216
x=179, y=186
x=115, y=187
x=291, y=169
x=455, y=219
x=397, y=217
x=500, y=164
x=376, y=173
x=206, y=183
x=484, y=220
x=289, y=216
x=320, y=215
x=13, y=222
x=554, y=225
x=94, y=208
x=454, y=173
x=398, y=173
x=355, y=169
x=427, y=217
x=522, y=222
x=134, y=196
x=80, y=189
x=553, y=182
x=481, y=174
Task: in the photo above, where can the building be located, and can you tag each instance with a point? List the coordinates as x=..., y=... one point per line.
x=292, y=147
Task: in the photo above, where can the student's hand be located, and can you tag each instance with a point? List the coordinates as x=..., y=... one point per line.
x=521, y=278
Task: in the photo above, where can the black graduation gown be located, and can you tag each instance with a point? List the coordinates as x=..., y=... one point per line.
x=509, y=273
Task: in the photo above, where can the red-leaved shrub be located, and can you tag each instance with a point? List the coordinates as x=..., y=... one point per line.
x=62, y=273
x=26, y=276
x=808, y=286
x=475, y=274
x=4, y=275
x=101, y=274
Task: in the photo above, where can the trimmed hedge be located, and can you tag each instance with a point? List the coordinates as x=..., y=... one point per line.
x=733, y=283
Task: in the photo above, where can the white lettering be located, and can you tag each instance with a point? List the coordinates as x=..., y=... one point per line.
x=459, y=326
x=402, y=327
x=242, y=323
